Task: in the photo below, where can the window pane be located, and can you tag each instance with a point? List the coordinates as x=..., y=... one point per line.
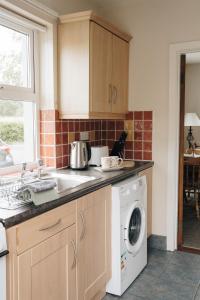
x=14, y=67
x=16, y=132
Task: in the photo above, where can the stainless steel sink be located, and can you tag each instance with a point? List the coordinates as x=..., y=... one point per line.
x=68, y=181
x=9, y=191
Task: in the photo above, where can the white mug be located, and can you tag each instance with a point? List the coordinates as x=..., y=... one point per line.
x=105, y=162
x=111, y=162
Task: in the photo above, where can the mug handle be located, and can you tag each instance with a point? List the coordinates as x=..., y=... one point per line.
x=120, y=162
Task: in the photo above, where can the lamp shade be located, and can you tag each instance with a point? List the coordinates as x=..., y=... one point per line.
x=191, y=119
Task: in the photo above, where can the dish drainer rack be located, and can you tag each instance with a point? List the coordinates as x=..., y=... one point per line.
x=9, y=193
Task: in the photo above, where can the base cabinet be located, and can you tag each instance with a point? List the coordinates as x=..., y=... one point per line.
x=93, y=242
x=63, y=254
x=48, y=270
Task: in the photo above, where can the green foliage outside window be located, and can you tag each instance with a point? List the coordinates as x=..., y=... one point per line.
x=11, y=112
x=12, y=132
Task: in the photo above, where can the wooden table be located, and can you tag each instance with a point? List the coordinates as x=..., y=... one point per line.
x=192, y=180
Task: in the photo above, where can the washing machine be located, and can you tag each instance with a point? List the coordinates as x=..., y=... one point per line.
x=129, y=233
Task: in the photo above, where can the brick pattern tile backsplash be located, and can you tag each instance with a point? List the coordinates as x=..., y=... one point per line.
x=56, y=135
x=143, y=135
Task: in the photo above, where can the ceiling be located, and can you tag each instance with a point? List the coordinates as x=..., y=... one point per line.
x=101, y=6
x=68, y=6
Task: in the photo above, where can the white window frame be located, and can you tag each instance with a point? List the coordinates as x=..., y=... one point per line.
x=14, y=92
x=30, y=94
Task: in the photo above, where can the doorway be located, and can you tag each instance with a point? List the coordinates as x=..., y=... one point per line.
x=189, y=154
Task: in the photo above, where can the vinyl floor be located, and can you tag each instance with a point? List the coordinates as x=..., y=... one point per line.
x=168, y=276
x=191, y=227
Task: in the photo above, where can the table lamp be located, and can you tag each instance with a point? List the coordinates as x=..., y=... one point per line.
x=191, y=119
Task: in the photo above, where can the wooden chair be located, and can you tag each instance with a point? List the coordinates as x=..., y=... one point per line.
x=192, y=180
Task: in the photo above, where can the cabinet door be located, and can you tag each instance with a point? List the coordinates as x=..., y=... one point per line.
x=48, y=270
x=73, y=69
x=100, y=69
x=93, y=234
x=120, y=75
x=148, y=174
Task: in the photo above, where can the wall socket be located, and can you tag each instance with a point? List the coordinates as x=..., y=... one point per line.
x=84, y=136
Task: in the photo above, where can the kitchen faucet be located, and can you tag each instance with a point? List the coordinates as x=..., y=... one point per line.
x=23, y=171
x=40, y=167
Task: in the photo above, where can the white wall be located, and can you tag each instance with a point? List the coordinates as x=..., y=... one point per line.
x=154, y=25
x=192, y=95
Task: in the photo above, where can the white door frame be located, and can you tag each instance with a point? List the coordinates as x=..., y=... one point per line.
x=173, y=137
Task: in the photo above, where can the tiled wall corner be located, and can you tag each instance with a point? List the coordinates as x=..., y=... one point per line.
x=129, y=128
x=56, y=135
x=142, y=141
x=110, y=132
x=138, y=126
x=48, y=119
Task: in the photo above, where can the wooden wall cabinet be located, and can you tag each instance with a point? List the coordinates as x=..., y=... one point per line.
x=93, y=59
x=148, y=174
x=62, y=254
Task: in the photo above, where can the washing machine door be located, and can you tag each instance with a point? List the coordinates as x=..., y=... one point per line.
x=135, y=228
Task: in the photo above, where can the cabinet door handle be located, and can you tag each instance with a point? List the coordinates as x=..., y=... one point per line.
x=4, y=253
x=110, y=94
x=115, y=94
x=50, y=226
x=83, y=225
x=74, y=250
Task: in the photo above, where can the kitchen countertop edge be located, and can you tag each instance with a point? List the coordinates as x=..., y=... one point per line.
x=33, y=211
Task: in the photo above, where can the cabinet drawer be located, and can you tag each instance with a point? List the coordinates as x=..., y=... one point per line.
x=37, y=229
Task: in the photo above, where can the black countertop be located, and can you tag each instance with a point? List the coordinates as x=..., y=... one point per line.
x=13, y=217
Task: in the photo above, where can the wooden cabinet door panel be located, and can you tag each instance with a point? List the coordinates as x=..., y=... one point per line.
x=47, y=270
x=120, y=63
x=73, y=68
x=92, y=241
x=148, y=174
x=100, y=69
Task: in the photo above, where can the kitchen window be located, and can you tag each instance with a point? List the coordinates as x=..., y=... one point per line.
x=18, y=108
